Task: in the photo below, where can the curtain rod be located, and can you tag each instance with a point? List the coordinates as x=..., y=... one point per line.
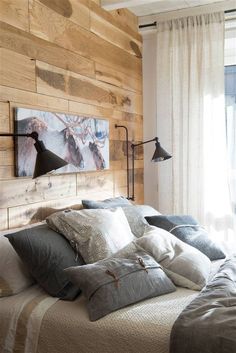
x=153, y=24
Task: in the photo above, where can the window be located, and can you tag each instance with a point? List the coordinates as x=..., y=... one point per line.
x=230, y=99
x=230, y=107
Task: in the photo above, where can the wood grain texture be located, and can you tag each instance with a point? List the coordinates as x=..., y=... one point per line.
x=15, y=12
x=76, y=11
x=52, y=27
x=68, y=56
x=60, y=83
x=3, y=219
x=17, y=70
x=4, y=117
x=120, y=21
x=100, y=111
x=38, y=190
x=36, y=48
x=6, y=172
x=106, y=30
x=101, y=182
x=36, y=212
x=35, y=99
x=126, y=18
x=109, y=75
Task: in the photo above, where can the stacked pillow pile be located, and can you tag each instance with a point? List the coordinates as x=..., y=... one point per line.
x=111, y=253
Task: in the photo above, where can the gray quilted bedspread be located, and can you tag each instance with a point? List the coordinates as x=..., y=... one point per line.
x=208, y=323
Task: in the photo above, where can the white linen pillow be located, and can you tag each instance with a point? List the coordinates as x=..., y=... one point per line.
x=14, y=276
x=185, y=265
x=95, y=233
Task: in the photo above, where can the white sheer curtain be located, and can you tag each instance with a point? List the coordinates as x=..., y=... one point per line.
x=191, y=120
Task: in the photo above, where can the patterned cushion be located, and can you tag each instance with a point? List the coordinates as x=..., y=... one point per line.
x=96, y=233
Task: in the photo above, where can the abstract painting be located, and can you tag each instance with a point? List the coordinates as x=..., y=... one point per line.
x=81, y=141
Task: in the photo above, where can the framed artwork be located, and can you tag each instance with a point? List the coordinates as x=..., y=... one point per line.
x=81, y=141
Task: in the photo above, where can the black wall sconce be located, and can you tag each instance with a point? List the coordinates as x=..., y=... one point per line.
x=46, y=161
x=159, y=155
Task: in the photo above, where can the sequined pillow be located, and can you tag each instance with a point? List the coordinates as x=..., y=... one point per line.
x=95, y=233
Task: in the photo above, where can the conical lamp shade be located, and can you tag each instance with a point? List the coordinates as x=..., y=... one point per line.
x=160, y=154
x=46, y=161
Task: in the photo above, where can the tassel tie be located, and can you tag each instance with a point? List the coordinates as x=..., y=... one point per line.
x=108, y=272
x=141, y=262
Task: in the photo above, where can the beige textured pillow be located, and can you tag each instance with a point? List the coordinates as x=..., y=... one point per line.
x=95, y=233
x=14, y=277
x=185, y=265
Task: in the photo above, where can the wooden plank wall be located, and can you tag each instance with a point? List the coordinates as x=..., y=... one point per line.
x=68, y=56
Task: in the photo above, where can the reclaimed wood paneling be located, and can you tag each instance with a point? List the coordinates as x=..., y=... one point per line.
x=109, y=75
x=15, y=12
x=65, y=84
x=36, y=212
x=4, y=117
x=36, y=48
x=68, y=56
x=76, y=11
x=41, y=189
x=38, y=100
x=17, y=70
x=50, y=26
x=3, y=219
x=114, y=18
x=106, y=30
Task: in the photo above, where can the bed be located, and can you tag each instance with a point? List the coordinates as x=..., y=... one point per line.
x=33, y=321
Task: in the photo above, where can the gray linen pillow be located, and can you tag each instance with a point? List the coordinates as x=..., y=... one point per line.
x=189, y=231
x=108, y=203
x=114, y=283
x=46, y=254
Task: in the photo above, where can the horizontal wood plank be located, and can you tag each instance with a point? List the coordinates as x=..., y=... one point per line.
x=28, y=214
x=103, y=112
x=60, y=83
x=72, y=37
x=16, y=70
x=118, y=21
x=41, y=189
x=106, y=30
x=4, y=117
x=36, y=48
x=15, y=12
x=76, y=11
x=95, y=185
x=6, y=172
x=6, y=157
x=35, y=99
x=109, y=75
x=3, y=219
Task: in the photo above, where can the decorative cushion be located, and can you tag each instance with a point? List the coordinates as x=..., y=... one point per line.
x=97, y=233
x=113, y=283
x=46, y=254
x=188, y=230
x=14, y=276
x=136, y=218
x=108, y=203
x=185, y=265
